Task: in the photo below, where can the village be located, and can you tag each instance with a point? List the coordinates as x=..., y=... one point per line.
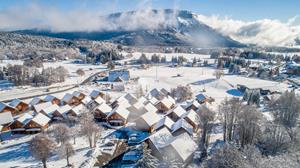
x=140, y=112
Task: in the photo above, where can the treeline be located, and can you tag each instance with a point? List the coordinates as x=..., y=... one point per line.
x=143, y=59
x=22, y=75
x=103, y=56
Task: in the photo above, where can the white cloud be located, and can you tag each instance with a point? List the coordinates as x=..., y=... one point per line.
x=262, y=32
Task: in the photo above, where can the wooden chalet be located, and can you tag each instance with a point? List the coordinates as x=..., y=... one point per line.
x=147, y=121
x=79, y=95
x=49, y=111
x=201, y=98
x=21, y=106
x=165, y=122
x=165, y=105
x=37, y=124
x=176, y=113
x=7, y=108
x=52, y=99
x=102, y=111
x=6, y=119
x=181, y=126
x=118, y=116
x=77, y=110
x=35, y=101
x=193, y=105
x=18, y=126
x=96, y=93
x=193, y=119
x=39, y=107
x=61, y=112
x=70, y=99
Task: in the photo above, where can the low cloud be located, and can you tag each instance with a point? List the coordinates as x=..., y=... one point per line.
x=262, y=32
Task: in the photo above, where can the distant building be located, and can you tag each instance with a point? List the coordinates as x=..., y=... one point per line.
x=118, y=76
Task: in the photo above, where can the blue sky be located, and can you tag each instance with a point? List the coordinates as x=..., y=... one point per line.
x=246, y=10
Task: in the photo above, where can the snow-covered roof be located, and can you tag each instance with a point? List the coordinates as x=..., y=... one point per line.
x=151, y=118
x=50, y=109
x=193, y=103
x=201, y=97
x=184, y=146
x=49, y=98
x=192, y=115
x=79, y=109
x=153, y=100
x=24, y=119
x=77, y=93
x=95, y=93
x=164, y=91
x=35, y=101
x=123, y=112
x=155, y=93
x=67, y=97
x=150, y=107
x=181, y=123
x=41, y=119
x=142, y=100
x=129, y=97
x=166, y=121
x=41, y=106
x=99, y=100
x=15, y=103
x=86, y=100
x=64, y=109
x=167, y=102
x=178, y=110
x=104, y=108
x=161, y=138
x=6, y=118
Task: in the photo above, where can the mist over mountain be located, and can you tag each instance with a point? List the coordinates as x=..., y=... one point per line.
x=148, y=27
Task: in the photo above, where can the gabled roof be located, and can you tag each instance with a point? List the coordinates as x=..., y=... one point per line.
x=161, y=138
x=181, y=123
x=79, y=109
x=178, y=110
x=67, y=97
x=192, y=115
x=95, y=93
x=193, y=103
x=184, y=146
x=151, y=108
x=41, y=119
x=86, y=100
x=35, y=101
x=6, y=118
x=64, y=109
x=153, y=100
x=99, y=100
x=41, y=106
x=167, y=102
x=155, y=93
x=123, y=112
x=15, y=103
x=104, y=108
x=201, y=97
x=151, y=118
x=24, y=119
x=3, y=105
x=128, y=97
x=164, y=91
x=166, y=121
x=142, y=100
x=51, y=109
x=77, y=93
x=49, y=98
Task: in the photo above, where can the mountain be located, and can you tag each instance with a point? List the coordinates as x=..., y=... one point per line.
x=155, y=27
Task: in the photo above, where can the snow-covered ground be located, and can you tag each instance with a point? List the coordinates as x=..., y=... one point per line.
x=15, y=153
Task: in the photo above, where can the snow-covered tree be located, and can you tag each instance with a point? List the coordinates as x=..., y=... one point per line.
x=41, y=148
x=65, y=151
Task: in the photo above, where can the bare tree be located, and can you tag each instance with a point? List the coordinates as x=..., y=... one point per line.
x=148, y=160
x=66, y=150
x=182, y=93
x=60, y=132
x=286, y=110
x=206, y=117
x=80, y=72
x=218, y=73
x=90, y=129
x=73, y=122
x=248, y=125
x=139, y=91
x=228, y=157
x=41, y=148
x=229, y=110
